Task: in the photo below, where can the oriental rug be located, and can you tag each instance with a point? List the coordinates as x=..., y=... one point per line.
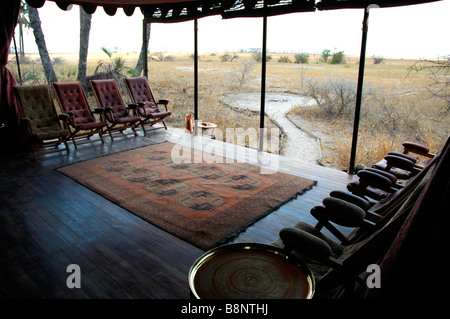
x=202, y=203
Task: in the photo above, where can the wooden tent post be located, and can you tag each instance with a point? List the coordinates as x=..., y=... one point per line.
x=263, y=85
x=359, y=89
x=195, y=77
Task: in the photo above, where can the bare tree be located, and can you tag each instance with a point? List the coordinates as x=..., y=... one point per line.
x=140, y=63
x=335, y=97
x=244, y=73
x=23, y=23
x=85, y=28
x=35, y=23
x=438, y=70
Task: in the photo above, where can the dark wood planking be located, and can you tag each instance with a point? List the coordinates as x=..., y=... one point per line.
x=49, y=221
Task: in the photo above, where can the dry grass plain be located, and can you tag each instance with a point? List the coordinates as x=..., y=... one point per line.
x=398, y=105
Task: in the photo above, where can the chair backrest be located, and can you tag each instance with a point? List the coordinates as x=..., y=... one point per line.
x=37, y=105
x=140, y=91
x=108, y=95
x=71, y=97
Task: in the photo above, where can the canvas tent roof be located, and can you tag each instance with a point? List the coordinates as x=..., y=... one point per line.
x=183, y=10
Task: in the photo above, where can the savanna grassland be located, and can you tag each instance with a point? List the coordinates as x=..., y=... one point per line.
x=398, y=103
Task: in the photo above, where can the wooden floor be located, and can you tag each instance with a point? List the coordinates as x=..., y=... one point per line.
x=48, y=221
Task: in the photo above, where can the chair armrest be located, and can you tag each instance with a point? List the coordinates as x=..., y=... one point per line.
x=141, y=109
x=99, y=110
x=319, y=213
x=70, y=113
x=399, y=161
x=25, y=120
x=381, y=172
x=374, y=179
x=415, y=148
x=164, y=102
x=343, y=213
x=64, y=116
x=351, y=198
x=133, y=106
x=412, y=159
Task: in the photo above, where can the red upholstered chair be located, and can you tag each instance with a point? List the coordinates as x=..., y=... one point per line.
x=119, y=116
x=142, y=95
x=82, y=122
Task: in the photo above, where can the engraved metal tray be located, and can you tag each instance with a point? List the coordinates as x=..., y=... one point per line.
x=250, y=271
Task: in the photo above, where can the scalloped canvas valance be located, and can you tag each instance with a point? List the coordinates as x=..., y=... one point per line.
x=184, y=10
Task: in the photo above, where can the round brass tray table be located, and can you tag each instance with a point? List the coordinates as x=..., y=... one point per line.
x=250, y=271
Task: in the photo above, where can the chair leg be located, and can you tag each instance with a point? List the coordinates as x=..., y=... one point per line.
x=33, y=152
x=67, y=146
x=73, y=141
x=100, y=134
x=143, y=127
x=110, y=133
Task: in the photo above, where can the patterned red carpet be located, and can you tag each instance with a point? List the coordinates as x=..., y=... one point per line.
x=202, y=203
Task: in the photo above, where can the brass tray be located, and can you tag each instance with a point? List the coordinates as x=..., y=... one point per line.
x=250, y=271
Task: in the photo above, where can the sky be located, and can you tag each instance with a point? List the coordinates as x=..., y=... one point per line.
x=416, y=31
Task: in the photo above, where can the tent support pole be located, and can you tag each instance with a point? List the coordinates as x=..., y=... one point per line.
x=196, y=77
x=359, y=89
x=17, y=60
x=263, y=85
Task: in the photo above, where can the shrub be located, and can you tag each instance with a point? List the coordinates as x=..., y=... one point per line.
x=228, y=57
x=244, y=73
x=378, y=59
x=301, y=58
x=335, y=97
x=257, y=56
x=58, y=60
x=284, y=59
x=325, y=55
x=225, y=57
x=338, y=57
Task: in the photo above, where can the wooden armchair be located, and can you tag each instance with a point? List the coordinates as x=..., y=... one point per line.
x=82, y=122
x=335, y=265
x=340, y=264
x=40, y=119
x=119, y=116
x=361, y=216
x=142, y=95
